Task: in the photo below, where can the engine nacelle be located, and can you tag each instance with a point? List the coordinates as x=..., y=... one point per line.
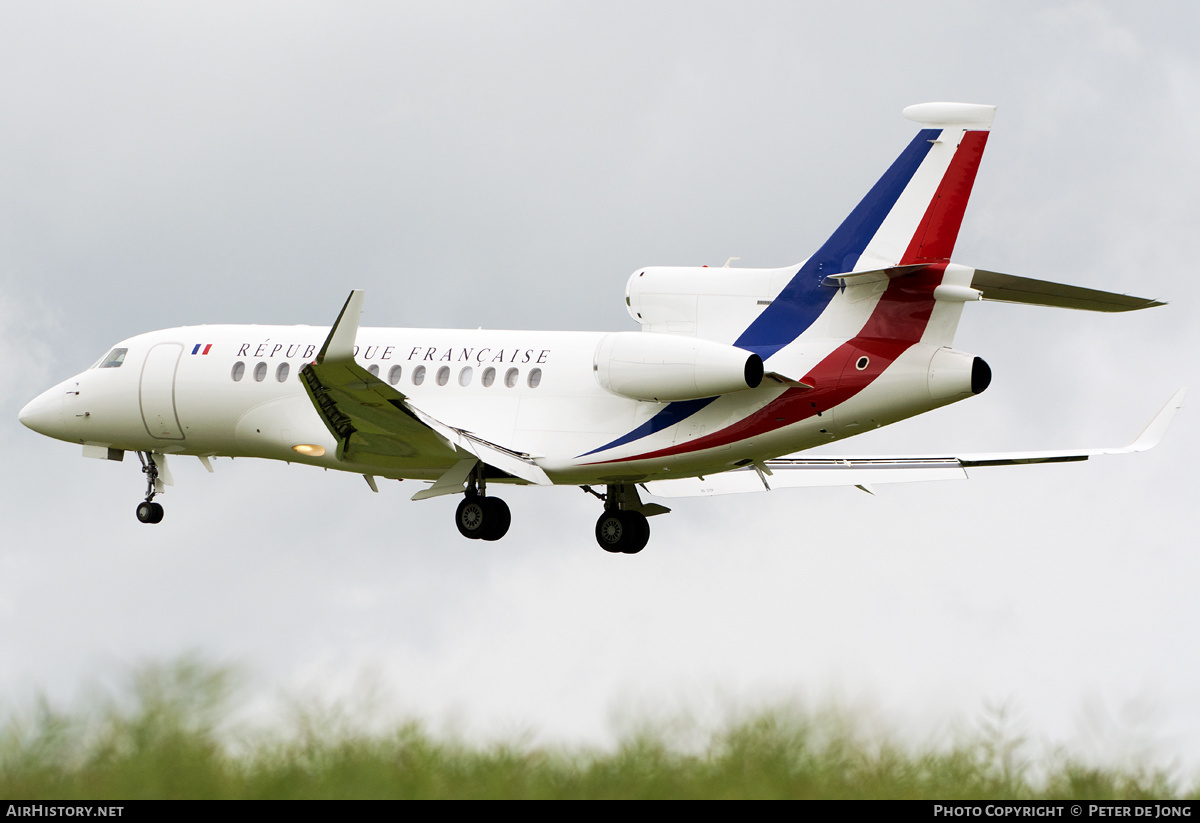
x=713, y=304
x=663, y=367
x=955, y=374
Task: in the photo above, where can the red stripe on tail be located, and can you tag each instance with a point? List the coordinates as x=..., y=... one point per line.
x=933, y=241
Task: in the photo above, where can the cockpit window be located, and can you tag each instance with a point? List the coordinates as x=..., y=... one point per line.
x=113, y=359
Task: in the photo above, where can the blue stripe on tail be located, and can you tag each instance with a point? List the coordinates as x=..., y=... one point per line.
x=804, y=298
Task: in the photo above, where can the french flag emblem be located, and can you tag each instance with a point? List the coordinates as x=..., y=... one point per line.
x=201, y=348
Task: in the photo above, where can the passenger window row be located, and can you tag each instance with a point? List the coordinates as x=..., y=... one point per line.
x=442, y=377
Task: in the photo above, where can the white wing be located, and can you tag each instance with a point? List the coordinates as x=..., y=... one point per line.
x=800, y=471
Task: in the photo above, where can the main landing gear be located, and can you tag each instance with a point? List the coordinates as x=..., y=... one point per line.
x=622, y=529
x=148, y=511
x=480, y=517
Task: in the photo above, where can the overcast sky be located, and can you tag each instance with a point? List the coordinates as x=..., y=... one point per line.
x=508, y=165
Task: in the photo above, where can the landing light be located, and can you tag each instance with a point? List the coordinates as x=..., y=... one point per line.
x=309, y=450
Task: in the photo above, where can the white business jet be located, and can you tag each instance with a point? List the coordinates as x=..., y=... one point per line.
x=732, y=370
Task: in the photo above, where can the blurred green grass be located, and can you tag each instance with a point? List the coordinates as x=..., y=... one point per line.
x=171, y=736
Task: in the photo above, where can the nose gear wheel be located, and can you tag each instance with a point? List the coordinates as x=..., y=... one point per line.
x=148, y=511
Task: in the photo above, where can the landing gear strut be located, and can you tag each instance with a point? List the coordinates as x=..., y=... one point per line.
x=622, y=529
x=480, y=517
x=148, y=511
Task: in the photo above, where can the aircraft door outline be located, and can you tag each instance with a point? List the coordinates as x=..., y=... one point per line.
x=157, y=392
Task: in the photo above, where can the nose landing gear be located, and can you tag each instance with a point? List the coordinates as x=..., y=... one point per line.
x=148, y=511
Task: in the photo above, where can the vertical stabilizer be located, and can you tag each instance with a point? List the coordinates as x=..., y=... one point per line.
x=913, y=213
x=910, y=216
x=922, y=224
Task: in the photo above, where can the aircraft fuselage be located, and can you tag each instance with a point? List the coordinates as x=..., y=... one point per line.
x=236, y=391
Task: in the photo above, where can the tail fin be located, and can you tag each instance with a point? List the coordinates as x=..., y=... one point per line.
x=913, y=213
x=910, y=217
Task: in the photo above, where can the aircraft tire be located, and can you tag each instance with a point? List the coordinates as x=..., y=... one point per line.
x=622, y=532
x=496, y=518
x=610, y=528
x=471, y=517
x=639, y=532
x=148, y=512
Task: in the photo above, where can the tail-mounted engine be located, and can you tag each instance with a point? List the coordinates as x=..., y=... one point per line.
x=954, y=374
x=713, y=304
x=664, y=367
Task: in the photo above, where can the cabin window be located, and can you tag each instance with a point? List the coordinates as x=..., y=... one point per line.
x=260, y=372
x=418, y=375
x=464, y=376
x=281, y=372
x=373, y=369
x=535, y=378
x=394, y=375
x=443, y=375
x=862, y=363
x=489, y=377
x=510, y=377
x=114, y=359
x=239, y=371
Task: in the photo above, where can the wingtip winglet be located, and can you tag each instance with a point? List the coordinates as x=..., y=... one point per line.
x=1153, y=433
x=340, y=343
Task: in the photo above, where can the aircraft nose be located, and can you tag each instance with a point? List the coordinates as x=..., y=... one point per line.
x=43, y=413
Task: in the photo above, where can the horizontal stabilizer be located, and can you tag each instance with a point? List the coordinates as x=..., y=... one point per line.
x=801, y=472
x=1008, y=288
x=861, y=278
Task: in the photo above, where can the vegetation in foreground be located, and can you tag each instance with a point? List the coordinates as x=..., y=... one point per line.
x=170, y=738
